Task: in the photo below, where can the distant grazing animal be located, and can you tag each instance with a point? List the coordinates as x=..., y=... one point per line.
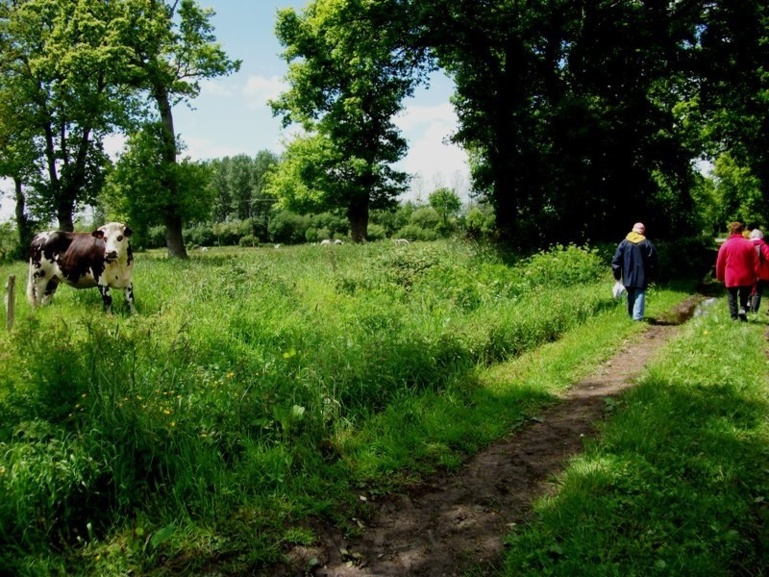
x=401, y=241
x=337, y=241
x=102, y=259
x=325, y=242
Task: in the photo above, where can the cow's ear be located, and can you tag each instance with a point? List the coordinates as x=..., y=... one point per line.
x=98, y=233
x=128, y=231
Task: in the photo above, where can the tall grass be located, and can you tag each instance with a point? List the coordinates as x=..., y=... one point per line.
x=235, y=404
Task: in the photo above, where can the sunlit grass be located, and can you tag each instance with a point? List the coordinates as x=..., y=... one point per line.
x=259, y=387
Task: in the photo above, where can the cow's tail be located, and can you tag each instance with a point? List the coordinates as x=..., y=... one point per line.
x=31, y=285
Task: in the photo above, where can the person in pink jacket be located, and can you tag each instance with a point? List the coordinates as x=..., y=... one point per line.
x=736, y=267
x=762, y=271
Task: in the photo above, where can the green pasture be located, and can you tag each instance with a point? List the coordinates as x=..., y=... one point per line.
x=258, y=389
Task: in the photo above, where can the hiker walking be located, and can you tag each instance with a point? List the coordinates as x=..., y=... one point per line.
x=736, y=267
x=762, y=271
x=634, y=263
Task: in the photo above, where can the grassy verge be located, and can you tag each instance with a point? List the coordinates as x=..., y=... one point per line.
x=419, y=433
x=678, y=483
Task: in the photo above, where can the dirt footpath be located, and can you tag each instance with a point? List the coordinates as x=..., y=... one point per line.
x=451, y=523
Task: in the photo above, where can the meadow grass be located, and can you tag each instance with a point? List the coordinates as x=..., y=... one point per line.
x=677, y=483
x=258, y=388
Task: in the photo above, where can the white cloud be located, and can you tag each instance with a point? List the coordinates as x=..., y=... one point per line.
x=113, y=145
x=417, y=115
x=7, y=203
x=259, y=89
x=216, y=88
x=432, y=159
x=205, y=148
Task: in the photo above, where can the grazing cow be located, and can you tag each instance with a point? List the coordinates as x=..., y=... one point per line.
x=401, y=241
x=325, y=242
x=101, y=259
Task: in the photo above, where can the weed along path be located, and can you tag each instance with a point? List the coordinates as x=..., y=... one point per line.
x=454, y=522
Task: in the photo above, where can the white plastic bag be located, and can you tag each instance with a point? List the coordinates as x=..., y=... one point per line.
x=617, y=290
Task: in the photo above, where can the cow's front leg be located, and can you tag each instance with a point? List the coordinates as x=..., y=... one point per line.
x=106, y=298
x=129, y=297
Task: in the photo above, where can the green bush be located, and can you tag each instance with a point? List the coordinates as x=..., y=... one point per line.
x=563, y=266
x=156, y=238
x=376, y=232
x=200, y=235
x=287, y=227
x=415, y=232
x=249, y=241
x=686, y=257
x=9, y=241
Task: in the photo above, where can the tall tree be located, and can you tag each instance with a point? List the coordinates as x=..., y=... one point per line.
x=240, y=176
x=567, y=109
x=171, y=47
x=735, y=84
x=18, y=155
x=58, y=64
x=346, y=85
x=220, y=189
x=238, y=185
x=137, y=187
x=446, y=202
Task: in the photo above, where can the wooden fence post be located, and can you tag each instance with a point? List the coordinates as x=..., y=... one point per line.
x=10, y=301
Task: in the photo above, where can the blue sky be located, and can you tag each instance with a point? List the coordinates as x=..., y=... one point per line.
x=231, y=115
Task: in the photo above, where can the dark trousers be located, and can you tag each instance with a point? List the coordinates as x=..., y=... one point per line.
x=737, y=297
x=755, y=299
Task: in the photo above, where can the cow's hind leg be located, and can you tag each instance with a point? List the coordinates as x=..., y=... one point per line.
x=49, y=290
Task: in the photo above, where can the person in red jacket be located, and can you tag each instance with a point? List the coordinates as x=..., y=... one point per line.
x=736, y=266
x=762, y=271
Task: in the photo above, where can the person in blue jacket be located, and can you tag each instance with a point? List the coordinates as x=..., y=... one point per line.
x=634, y=263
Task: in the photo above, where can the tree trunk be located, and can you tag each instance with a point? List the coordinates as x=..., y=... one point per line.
x=23, y=224
x=357, y=214
x=64, y=212
x=174, y=238
x=173, y=219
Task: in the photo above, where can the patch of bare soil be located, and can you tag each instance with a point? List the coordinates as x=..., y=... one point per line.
x=453, y=522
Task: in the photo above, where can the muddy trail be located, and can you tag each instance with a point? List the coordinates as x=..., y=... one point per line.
x=451, y=523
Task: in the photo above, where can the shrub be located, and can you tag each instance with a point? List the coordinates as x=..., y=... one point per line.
x=425, y=218
x=311, y=235
x=8, y=241
x=563, y=266
x=156, y=238
x=287, y=227
x=200, y=235
x=689, y=257
x=414, y=232
x=248, y=241
x=376, y=232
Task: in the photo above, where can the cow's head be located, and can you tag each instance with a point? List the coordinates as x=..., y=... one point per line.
x=115, y=236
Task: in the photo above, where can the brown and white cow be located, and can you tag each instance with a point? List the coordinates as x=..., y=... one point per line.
x=102, y=259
